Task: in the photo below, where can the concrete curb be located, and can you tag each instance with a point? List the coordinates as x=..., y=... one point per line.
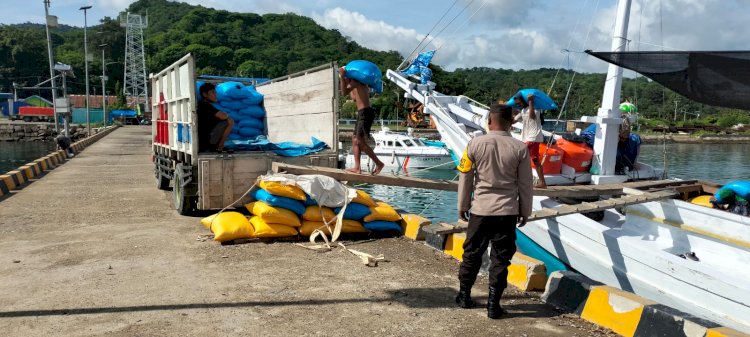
x=15, y=179
x=411, y=225
x=525, y=273
x=624, y=312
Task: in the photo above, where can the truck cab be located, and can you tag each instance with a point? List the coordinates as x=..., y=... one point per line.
x=298, y=107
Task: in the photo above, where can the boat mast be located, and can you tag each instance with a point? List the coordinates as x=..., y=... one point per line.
x=608, y=115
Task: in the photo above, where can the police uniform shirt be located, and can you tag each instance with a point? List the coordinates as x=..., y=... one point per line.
x=497, y=169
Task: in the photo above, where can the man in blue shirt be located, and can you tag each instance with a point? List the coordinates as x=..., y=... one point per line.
x=628, y=145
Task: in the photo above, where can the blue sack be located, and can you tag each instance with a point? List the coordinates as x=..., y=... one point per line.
x=382, y=226
x=541, y=100
x=354, y=211
x=234, y=136
x=255, y=111
x=739, y=188
x=310, y=201
x=252, y=97
x=295, y=206
x=250, y=132
x=230, y=90
x=232, y=105
x=251, y=123
x=366, y=73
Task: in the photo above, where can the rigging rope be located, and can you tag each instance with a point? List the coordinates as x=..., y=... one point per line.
x=426, y=36
x=462, y=24
x=570, y=87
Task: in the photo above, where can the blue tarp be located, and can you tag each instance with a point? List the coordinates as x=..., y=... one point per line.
x=285, y=149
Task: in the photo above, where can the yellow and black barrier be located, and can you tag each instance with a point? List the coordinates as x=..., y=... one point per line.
x=15, y=179
x=623, y=312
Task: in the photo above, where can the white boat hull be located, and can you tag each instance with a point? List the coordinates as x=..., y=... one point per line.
x=639, y=254
x=406, y=162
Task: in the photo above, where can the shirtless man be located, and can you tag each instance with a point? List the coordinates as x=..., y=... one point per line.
x=365, y=116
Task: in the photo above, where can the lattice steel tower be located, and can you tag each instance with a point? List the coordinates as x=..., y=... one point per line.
x=136, y=82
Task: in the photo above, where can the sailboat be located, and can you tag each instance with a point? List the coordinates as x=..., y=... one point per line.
x=689, y=257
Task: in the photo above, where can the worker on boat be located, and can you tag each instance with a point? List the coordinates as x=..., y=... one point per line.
x=494, y=194
x=628, y=145
x=733, y=197
x=531, y=132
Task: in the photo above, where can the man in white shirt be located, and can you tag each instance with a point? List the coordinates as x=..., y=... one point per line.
x=531, y=133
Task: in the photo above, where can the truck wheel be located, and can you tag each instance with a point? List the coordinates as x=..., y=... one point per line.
x=27, y=119
x=34, y=119
x=184, y=199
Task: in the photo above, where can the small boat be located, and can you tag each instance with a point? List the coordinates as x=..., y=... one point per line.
x=405, y=152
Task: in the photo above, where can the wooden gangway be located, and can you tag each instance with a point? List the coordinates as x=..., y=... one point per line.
x=580, y=191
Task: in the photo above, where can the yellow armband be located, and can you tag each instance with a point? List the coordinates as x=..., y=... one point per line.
x=465, y=164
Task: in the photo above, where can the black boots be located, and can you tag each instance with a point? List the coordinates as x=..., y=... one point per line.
x=463, y=299
x=494, y=310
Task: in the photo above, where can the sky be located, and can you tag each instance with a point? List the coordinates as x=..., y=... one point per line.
x=509, y=34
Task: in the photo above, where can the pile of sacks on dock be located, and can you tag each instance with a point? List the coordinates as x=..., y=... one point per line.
x=287, y=206
x=244, y=105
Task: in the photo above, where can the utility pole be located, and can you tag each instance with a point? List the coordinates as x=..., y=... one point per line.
x=104, y=88
x=86, y=65
x=47, y=19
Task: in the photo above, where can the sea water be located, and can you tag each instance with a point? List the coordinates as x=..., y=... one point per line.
x=16, y=154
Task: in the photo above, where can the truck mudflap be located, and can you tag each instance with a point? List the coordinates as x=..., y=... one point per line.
x=163, y=171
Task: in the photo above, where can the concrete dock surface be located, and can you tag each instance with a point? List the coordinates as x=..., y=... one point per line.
x=93, y=248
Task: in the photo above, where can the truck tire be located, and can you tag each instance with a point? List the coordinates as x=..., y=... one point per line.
x=34, y=119
x=184, y=196
x=26, y=119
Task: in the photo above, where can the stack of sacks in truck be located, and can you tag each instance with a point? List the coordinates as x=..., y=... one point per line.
x=244, y=106
x=276, y=210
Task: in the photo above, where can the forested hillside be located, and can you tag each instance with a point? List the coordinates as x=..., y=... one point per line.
x=272, y=45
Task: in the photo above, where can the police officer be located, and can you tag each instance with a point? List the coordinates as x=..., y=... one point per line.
x=494, y=194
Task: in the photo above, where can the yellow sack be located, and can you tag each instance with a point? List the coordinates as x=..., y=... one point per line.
x=317, y=213
x=228, y=226
x=274, y=215
x=206, y=222
x=383, y=212
x=266, y=230
x=282, y=190
x=347, y=226
x=364, y=199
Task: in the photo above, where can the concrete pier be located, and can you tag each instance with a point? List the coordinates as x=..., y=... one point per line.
x=94, y=248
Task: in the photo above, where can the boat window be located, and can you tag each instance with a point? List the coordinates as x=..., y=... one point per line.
x=389, y=143
x=408, y=142
x=398, y=144
x=418, y=142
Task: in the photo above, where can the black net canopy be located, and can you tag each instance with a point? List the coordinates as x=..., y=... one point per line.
x=719, y=78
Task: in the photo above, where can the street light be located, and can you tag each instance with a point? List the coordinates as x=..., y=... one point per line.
x=86, y=65
x=49, y=20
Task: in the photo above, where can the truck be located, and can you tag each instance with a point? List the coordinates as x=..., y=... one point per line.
x=34, y=114
x=298, y=106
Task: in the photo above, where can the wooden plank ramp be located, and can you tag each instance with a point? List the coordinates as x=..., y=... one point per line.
x=585, y=207
x=447, y=185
